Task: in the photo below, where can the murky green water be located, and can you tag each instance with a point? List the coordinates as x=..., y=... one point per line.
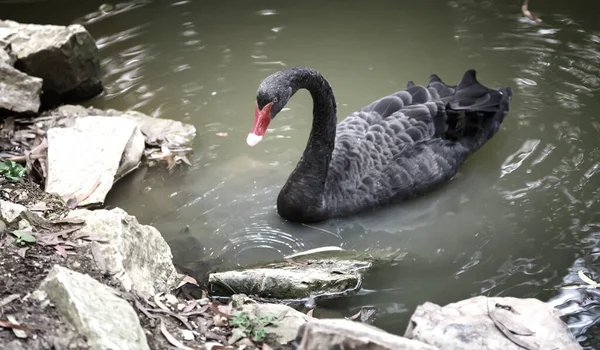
x=520, y=219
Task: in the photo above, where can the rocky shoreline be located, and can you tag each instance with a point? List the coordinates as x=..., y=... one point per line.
x=72, y=277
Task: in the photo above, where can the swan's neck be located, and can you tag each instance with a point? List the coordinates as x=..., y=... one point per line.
x=306, y=185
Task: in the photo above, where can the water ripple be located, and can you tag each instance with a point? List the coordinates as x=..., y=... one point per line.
x=117, y=9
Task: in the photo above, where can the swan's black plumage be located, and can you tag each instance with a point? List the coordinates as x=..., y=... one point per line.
x=392, y=149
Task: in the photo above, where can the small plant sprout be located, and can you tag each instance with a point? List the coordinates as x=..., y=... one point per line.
x=250, y=326
x=23, y=237
x=11, y=170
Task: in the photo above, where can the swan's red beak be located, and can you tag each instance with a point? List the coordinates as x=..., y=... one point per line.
x=262, y=118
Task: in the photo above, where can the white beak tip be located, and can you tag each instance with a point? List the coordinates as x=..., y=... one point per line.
x=253, y=139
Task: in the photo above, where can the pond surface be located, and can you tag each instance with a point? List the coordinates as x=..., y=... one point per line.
x=521, y=217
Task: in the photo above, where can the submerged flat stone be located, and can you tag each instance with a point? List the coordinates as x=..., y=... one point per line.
x=95, y=310
x=327, y=278
x=320, y=273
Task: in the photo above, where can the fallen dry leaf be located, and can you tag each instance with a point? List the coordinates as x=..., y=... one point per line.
x=69, y=221
x=9, y=299
x=98, y=258
x=143, y=309
x=48, y=240
x=186, y=279
x=214, y=346
x=65, y=233
x=61, y=250
x=176, y=343
x=17, y=329
x=202, y=311
x=8, y=324
x=184, y=159
x=22, y=252
x=190, y=306
x=39, y=206
x=214, y=307
x=160, y=303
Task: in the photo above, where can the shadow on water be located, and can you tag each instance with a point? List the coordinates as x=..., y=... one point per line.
x=520, y=219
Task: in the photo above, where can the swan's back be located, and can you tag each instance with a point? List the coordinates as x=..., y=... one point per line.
x=404, y=144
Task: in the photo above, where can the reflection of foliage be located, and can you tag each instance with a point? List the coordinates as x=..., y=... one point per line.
x=11, y=170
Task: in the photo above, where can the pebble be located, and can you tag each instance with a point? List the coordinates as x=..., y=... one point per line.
x=187, y=334
x=171, y=299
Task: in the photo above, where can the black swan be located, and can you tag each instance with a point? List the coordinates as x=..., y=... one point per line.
x=393, y=149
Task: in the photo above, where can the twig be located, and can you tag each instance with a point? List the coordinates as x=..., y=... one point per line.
x=201, y=311
x=73, y=202
x=23, y=159
x=526, y=13
x=143, y=309
x=8, y=324
x=171, y=313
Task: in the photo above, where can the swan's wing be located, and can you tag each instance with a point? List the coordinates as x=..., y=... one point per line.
x=407, y=142
x=368, y=140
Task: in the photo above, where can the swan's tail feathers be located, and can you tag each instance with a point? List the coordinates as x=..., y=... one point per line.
x=443, y=91
x=475, y=112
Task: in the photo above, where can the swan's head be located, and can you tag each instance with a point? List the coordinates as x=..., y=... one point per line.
x=272, y=95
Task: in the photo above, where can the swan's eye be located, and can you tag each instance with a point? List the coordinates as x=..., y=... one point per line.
x=275, y=100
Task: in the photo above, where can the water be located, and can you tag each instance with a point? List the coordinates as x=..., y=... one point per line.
x=520, y=219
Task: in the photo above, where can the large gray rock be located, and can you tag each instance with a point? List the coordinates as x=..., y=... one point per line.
x=86, y=159
x=320, y=334
x=490, y=323
x=66, y=58
x=137, y=255
x=107, y=321
x=19, y=92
